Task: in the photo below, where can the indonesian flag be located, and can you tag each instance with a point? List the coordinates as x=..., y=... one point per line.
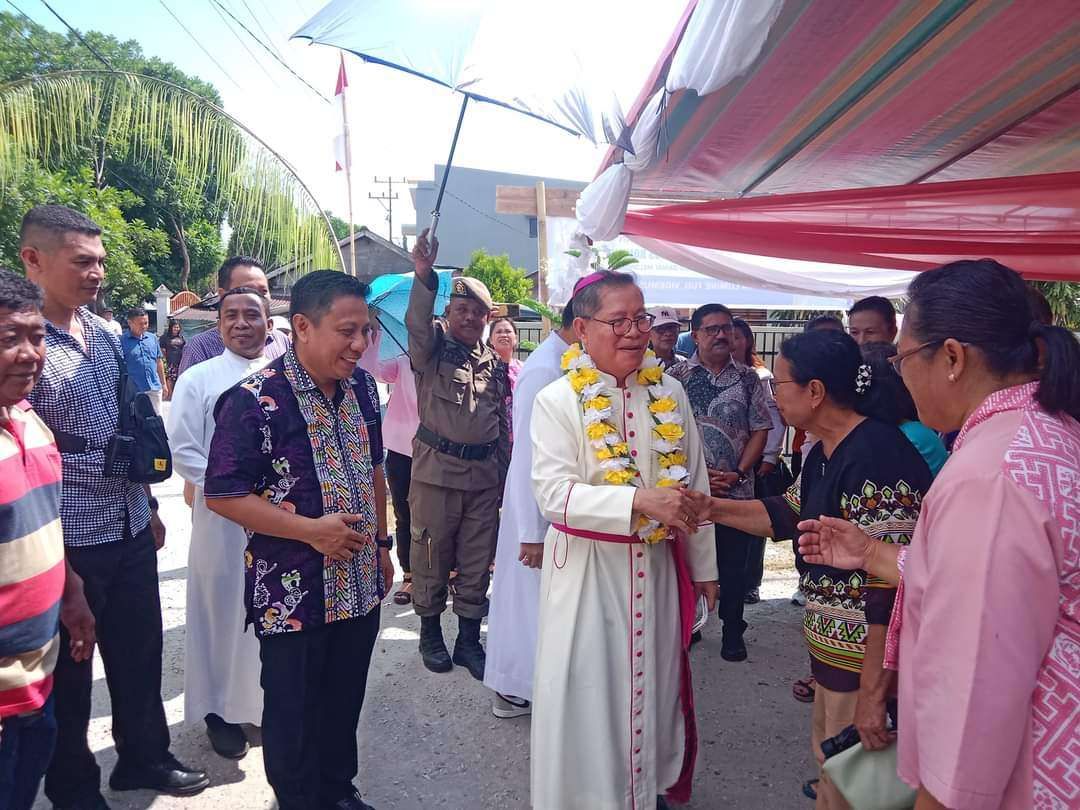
x=342, y=160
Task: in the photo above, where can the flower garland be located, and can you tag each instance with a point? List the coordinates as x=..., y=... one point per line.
x=611, y=449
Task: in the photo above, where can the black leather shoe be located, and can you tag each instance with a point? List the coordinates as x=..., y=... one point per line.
x=733, y=650
x=353, y=802
x=432, y=647
x=168, y=776
x=468, y=652
x=227, y=739
x=94, y=803
x=661, y=804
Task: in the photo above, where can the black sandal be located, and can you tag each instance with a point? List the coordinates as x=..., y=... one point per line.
x=809, y=789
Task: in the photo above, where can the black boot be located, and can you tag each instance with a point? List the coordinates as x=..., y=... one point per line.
x=432, y=647
x=467, y=651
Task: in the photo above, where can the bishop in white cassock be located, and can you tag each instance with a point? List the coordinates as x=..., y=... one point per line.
x=515, y=588
x=613, y=725
x=221, y=669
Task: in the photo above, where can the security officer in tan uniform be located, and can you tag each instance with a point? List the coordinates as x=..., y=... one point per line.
x=460, y=454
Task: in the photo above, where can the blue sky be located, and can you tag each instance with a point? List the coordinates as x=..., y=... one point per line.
x=401, y=126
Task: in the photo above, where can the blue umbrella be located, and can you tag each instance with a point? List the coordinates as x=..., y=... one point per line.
x=479, y=48
x=389, y=295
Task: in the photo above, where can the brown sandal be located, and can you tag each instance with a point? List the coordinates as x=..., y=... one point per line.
x=404, y=594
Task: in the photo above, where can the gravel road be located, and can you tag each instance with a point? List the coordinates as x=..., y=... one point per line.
x=431, y=741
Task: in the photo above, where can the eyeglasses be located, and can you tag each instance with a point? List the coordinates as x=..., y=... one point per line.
x=897, y=360
x=716, y=329
x=624, y=326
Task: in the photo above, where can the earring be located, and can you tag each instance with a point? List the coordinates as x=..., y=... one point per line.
x=952, y=378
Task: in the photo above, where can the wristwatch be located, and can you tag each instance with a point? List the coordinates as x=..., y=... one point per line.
x=387, y=543
x=743, y=476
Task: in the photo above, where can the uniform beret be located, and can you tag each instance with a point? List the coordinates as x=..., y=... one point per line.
x=466, y=287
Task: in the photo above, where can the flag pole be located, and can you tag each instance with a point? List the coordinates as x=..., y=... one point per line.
x=348, y=171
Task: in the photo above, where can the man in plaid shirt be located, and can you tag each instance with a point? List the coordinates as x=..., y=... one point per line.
x=111, y=528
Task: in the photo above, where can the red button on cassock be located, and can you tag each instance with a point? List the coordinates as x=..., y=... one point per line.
x=631, y=434
x=638, y=653
x=633, y=452
x=640, y=574
x=639, y=632
x=641, y=554
x=637, y=770
x=637, y=615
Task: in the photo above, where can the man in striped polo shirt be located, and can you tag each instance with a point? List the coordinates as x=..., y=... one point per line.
x=35, y=594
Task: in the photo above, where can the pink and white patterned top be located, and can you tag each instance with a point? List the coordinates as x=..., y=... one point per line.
x=990, y=639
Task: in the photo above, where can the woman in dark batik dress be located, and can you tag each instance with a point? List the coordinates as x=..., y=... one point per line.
x=863, y=470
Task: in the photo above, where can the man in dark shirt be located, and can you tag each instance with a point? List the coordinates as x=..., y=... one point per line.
x=296, y=459
x=732, y=414
x=111, y=527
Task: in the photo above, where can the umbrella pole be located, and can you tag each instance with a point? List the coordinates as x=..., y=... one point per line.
x=446, y=171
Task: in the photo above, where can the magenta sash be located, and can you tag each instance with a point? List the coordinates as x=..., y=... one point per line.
x=680, y=791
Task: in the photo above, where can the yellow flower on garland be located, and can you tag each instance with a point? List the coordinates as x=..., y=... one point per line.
x=667, y=482
x=618, y=477
x=658, y=536
x=598, y=430
x=650, y=376
x=604, y=453
x=675, y=459
x=583, y=377
x=570, y=355
x=663, y=405
x=620, y=449
x=597, y=403
x=668, y=431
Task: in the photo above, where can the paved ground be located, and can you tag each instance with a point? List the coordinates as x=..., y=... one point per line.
x=430, y=740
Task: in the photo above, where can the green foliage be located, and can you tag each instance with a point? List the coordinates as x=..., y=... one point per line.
x=1064, y=300
x=528, y=346
x=507, y=284
x=542, y=309
x=615, y=260
x=341, y=226
x=129, y=243
x=190, y=167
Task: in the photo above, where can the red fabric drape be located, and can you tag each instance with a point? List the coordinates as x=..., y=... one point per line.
x=1031, y=224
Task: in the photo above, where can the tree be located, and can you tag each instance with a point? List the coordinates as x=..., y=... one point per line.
x=506, y=283
x=341, y=226
x=1064, y=300
x=129, y=243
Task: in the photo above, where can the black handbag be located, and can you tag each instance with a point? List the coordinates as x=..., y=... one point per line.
x=140, y=437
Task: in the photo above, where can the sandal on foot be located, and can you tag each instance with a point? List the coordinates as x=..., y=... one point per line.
x=803, y=689
x=404, y=594
x=809, y=789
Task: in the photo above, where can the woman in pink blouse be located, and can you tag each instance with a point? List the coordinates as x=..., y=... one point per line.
x=503, y=338
x=989, y=628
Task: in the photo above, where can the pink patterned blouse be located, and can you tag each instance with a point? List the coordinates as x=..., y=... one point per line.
x=989, y=671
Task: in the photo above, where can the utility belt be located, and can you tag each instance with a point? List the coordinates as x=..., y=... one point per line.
x=466, y=452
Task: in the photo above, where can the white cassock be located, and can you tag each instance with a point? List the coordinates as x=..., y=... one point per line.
x=221, y=666
x=608, y=724
x=515, y=588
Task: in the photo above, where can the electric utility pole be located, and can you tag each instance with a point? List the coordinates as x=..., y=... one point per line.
x=386, y=198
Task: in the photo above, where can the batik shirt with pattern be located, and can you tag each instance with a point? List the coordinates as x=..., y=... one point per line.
x=728, y=407
x=876, y=479
x=279, y=437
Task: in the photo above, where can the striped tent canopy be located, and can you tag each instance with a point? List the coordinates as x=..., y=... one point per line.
x=847, y=95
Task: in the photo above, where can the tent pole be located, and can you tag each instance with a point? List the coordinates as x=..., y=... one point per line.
x=446, y=171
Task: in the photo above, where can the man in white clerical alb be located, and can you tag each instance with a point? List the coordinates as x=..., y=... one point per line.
x=515, y=590
x=614, y=446
x=221, y=670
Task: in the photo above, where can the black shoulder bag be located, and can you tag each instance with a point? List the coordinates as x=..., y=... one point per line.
x=140, y=436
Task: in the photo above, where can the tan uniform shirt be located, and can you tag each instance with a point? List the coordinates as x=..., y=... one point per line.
x=460, y=394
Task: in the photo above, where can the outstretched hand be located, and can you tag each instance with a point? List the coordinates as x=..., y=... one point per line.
x=672, y=506
x=834, y=542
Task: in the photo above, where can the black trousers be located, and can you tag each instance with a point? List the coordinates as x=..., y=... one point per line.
x=313, y=689
x=733, y=549
x=398, y=477
x=121, y=584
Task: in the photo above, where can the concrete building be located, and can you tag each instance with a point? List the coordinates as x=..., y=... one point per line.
x=469, y=222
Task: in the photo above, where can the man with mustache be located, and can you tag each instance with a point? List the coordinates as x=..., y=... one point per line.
x=296, y=459
x=460, y=455
x=221, y=671
x=111, y=528
x=732, y=414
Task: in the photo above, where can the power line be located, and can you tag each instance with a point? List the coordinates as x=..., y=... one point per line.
x=486, y=215
x=243, y=44
x=79, y=37
x=267, y=49
x=201, y=47
x=269, y=39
